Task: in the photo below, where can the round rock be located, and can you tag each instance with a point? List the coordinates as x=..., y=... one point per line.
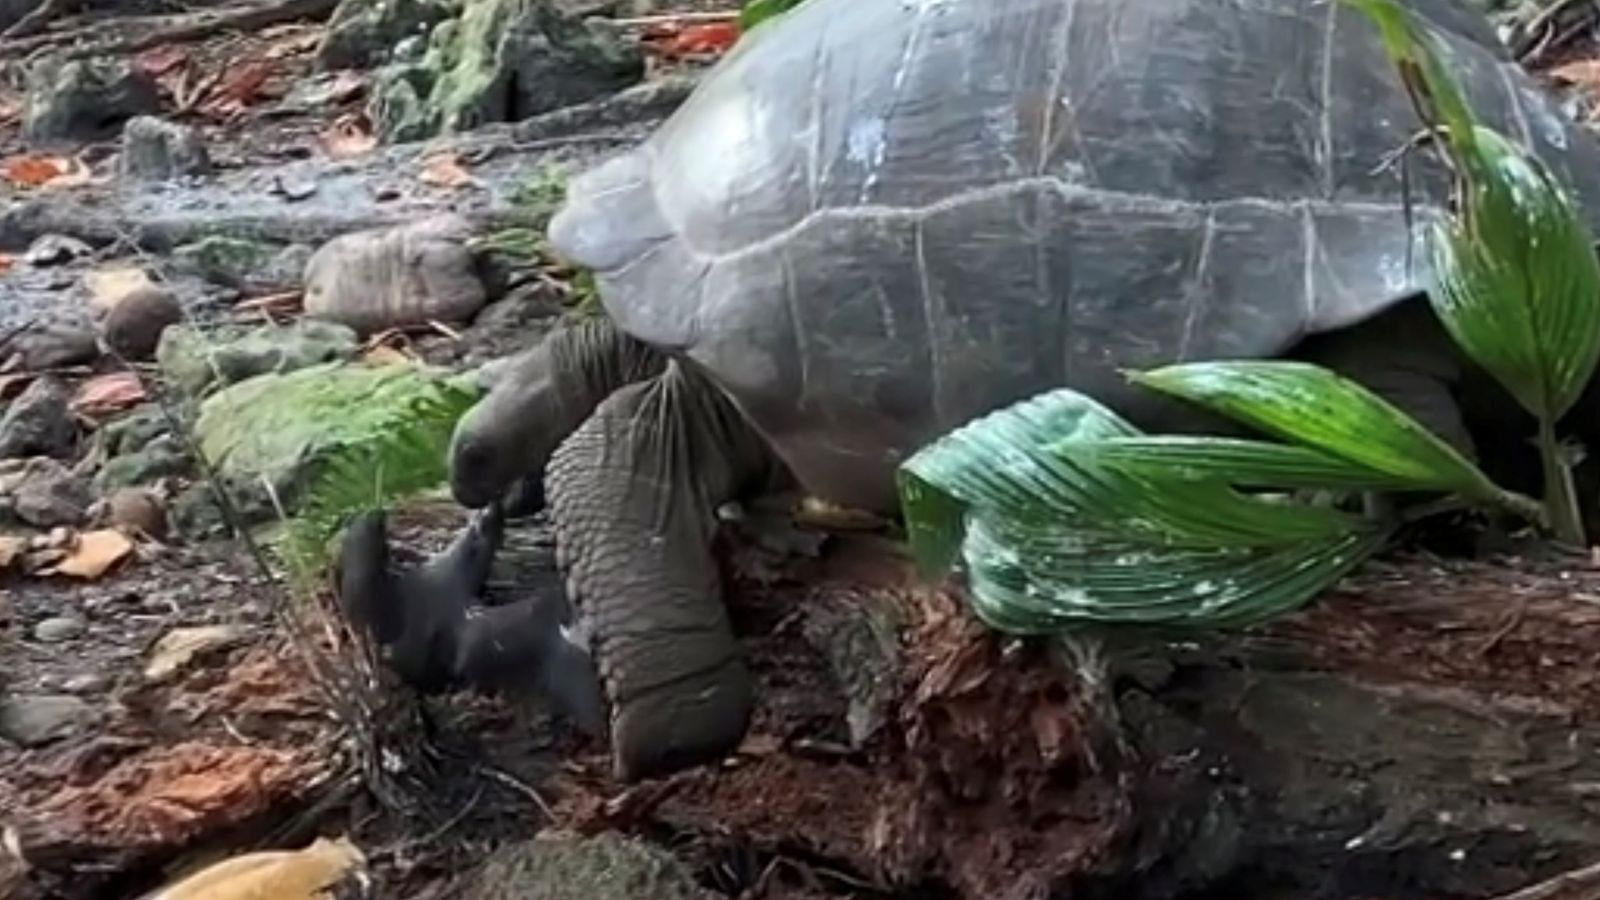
x=133, y=327
x=59, y=629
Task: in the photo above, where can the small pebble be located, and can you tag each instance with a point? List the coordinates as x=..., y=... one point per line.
x=139, y=510
x=133, y=327
x=86, y=683
x=56, y=629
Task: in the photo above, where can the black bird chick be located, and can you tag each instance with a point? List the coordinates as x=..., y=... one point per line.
x=441, y=637
x=526, y=648
x=417, y=614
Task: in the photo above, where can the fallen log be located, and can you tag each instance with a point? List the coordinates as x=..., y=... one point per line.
x=1379, y=744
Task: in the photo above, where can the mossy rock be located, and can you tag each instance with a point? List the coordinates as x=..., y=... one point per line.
x=279, y=428
x=364, y=33
x=240, y=262
x=194, y=361
x=501, y=61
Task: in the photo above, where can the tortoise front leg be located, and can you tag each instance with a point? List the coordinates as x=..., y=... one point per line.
x=633, y=495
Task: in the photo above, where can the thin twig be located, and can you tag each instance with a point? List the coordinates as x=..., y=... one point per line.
x=1578, y=884
x=169, y=29
x=520, y=787
x=36, y=19
x=674, y=18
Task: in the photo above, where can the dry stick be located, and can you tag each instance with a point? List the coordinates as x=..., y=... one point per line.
x=35, y=19
x=188, y=27
x=1578, y=884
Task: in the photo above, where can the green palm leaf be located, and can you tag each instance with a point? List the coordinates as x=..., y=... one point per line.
x=1052, y=528
x=1516, y=280
x=1308, y=404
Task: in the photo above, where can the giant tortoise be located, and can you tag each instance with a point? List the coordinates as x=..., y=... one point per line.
x=876, y=220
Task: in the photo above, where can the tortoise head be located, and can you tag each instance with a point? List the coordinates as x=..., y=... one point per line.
x=508, y=435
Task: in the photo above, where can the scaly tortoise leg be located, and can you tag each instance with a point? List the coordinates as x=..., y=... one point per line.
x=633, y=495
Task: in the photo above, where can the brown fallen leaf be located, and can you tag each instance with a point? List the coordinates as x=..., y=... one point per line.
x=350, y=135
x=241, y=87
x=291, y=40
x=103, y=395
x=444, y=170
x=305, y=874
x=385, y=355
x=108, y=286
x=12, y=547
x=33, y=171
x=94, y=554
x=1584, y=73
x=160, y=60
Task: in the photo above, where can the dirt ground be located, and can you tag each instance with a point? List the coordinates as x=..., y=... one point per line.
x=924, y=759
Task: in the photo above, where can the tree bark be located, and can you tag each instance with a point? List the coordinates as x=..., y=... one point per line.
x=1387, y=742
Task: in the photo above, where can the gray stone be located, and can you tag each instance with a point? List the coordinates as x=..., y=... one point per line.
x=197, y=516
x=84, y=99
x=393, y=277
x=133, y=327
x=195, y=362
x=58, y=629
x=86, y=683
x=39, y=422
x=58, y=344
x=55, y=249
x=33, y=720
x=157, y=150
x=242, y=263
x=131, y=431
x=161, y=457
x=44, y=493
x=364, y=33
x=566, y=867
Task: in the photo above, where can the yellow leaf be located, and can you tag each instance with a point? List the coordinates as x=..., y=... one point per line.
x=304, y=874
x=94, y=554
x=444, y=170
x=107, y=287
x=349, y=136
x=384, y=355
x=11, y=547
x=178, y=647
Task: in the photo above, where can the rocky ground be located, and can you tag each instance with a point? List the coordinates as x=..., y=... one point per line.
x=178, y=187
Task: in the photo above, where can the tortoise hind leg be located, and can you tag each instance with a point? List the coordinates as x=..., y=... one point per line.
x=633, y=494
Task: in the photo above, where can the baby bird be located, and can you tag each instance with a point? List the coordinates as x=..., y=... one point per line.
x=439, y=634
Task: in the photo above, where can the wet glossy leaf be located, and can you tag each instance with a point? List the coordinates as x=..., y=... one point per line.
x=1517, y=282
x=1248, y=463
x=1051, y=528
x=1310, y=405
x=1030, y=580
